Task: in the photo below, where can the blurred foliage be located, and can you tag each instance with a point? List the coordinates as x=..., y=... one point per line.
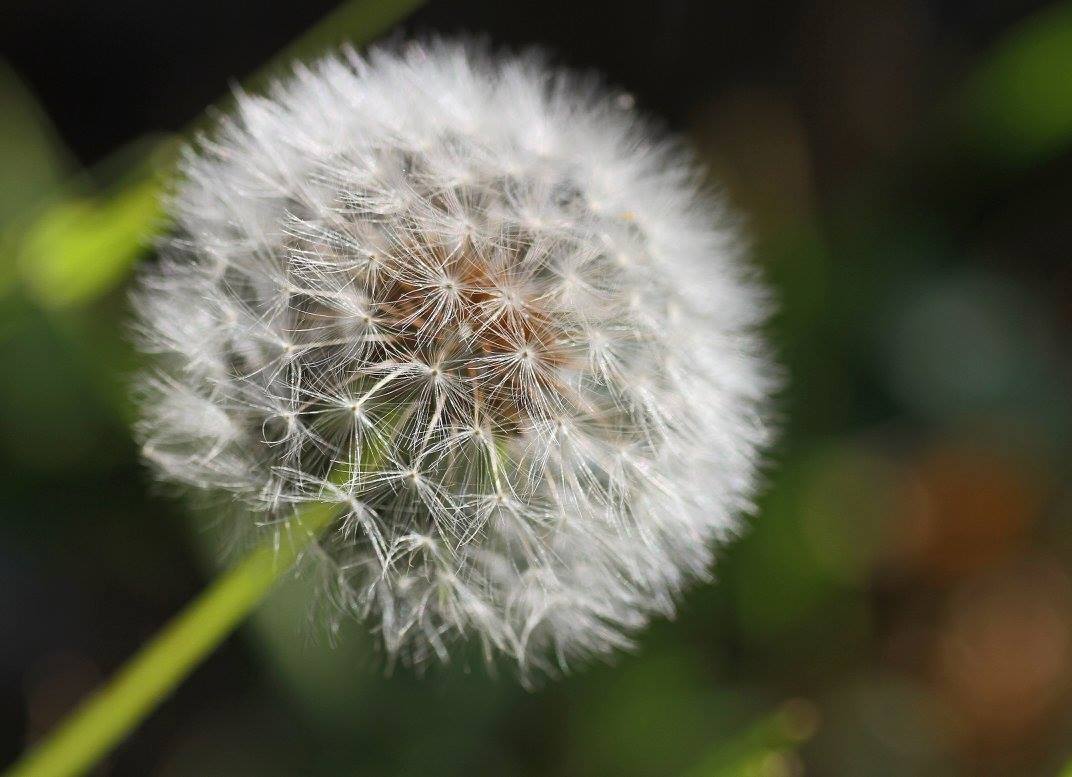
x=765, y=749
x=30, y=152
x=907, y=582
x=32, y=158
x=1019, y=100
x=81, y=248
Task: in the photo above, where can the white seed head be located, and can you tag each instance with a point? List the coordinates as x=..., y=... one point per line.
x=486, y=294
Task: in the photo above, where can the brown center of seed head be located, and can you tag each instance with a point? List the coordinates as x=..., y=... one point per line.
x=465, y=315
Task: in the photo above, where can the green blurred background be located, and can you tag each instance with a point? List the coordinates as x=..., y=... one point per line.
x=902, y=604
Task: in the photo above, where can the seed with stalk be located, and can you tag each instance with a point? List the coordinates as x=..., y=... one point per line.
x=480, y=307
x=464, y=332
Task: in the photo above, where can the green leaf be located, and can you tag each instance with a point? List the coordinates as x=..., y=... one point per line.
x=32, y=157
x=80, y=248
x=32, y=161
x=1019, y=103
x=764, y=749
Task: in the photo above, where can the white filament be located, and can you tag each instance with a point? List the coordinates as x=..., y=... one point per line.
x=482, y=290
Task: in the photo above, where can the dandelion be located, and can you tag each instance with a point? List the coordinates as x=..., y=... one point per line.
x=479, y=306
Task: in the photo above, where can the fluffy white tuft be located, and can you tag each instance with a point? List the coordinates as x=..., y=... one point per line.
x=483, y=292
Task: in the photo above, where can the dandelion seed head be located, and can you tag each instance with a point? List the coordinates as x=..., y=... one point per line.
x=493, y=297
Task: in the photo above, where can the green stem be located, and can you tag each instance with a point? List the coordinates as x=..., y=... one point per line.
x=105, y=718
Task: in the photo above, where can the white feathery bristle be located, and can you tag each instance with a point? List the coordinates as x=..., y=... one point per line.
x=487, y=294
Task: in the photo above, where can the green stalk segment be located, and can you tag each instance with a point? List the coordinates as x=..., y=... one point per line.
x=104, y=719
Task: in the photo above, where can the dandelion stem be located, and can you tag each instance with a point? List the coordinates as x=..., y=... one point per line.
x=111, y=713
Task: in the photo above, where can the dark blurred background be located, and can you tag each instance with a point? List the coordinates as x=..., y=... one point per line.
x=903, y=602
